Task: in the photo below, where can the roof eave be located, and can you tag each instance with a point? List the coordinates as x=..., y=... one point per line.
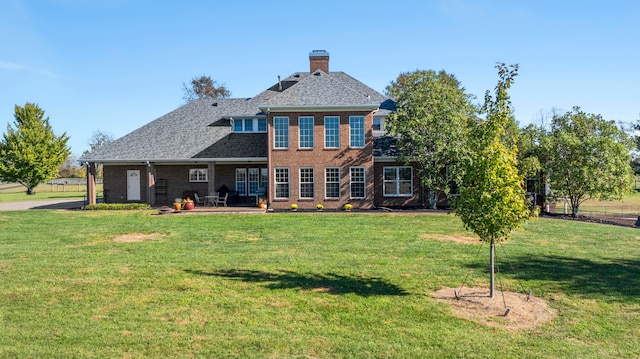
x=175, y=160
x=365, y=107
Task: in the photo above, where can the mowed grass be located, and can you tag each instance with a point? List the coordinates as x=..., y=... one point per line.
x=628, y=206
x=14, y=192
x=302, y=285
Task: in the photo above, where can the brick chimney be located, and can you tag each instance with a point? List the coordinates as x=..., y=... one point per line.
x=319, y=60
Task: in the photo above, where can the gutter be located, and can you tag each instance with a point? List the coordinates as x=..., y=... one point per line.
x=176, y=160
x=367, y=107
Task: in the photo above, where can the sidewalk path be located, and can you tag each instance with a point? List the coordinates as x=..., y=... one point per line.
x=44, y=204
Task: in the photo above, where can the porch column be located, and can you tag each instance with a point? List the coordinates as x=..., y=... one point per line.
x=151, y=182
x=212, y=178
x=91, y=183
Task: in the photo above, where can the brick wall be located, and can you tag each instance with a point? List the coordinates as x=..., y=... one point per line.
x=178, y=184
x=382, y=201
x=320, y=157
x=115, y=183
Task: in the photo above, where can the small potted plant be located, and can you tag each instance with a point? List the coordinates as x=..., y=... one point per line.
x=348, y=207
x=262, y=203
x=188, y=204
x=319, y=207
x=294, y=207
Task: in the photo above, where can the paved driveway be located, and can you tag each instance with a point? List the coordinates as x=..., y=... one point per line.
x=46, y=204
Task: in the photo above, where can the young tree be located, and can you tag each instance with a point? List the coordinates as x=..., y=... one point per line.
x=492, y=197
x=31, y=153
x=430, y=123
x=204, y=87
x=588, y=157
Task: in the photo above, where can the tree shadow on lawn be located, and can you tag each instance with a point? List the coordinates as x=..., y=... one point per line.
x=331, y=283
x=615, y=277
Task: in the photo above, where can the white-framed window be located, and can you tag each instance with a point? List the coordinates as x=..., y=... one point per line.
x=198, y=175
x=281, y=182
x=241, y=181
x=254, y=181
x=332, y=132
x=238, y=125
x=305, y=129
x=306, y=182
x=398, y=181
x=356, y=131
x=262, y=125
x=251, y=181
x=357, y=182
x=377, y=124
x=281, y=132
x=332, y=182
x=249, y=125
x=264, y=178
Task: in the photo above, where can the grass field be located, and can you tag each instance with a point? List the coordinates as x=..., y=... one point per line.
x=302, y=285
x=13, y=192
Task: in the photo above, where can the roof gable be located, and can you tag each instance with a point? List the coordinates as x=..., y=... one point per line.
x=318, y=90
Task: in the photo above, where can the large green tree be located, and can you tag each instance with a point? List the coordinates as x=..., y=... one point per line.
x=430, y=122
x=492, y=197
x=587, y=157
x=204, y=87
x=31, y=153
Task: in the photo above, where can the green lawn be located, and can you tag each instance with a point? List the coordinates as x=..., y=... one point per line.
x=302, y=285
x=13, y=192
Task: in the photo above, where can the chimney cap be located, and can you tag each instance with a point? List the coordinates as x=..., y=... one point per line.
x=316, y=53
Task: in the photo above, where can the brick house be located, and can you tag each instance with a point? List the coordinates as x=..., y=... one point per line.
x=313, y=137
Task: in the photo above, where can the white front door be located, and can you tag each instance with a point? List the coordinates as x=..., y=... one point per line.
x=133, y=185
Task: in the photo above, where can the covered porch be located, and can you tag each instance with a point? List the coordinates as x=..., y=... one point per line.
x=160, y=183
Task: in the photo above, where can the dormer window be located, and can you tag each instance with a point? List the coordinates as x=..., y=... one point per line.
x=249, y=125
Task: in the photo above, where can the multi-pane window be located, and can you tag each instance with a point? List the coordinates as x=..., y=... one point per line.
x=377, y=124
x=332, y=132
x=238, y=126
x=306, y=182
x=254, y=181
x=198, y=175
x=356, y=131
x=251, y=181
x=249, y=125
x=332, y=182
x=281, y=132
x=241, y=181
x=281, y=182
x=357, y=183
x=262, y=125
x=264, y=178
x=305, y=126
x=398, y=181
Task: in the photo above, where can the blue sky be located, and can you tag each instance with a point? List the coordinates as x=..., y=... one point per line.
x=115, y=65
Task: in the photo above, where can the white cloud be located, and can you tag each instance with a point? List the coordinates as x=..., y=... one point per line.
x=10, y=66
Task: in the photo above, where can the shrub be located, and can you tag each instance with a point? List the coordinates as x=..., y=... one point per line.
x=116, y=206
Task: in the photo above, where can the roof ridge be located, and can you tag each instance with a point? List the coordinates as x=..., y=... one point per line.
x=347, y=86
x=342, y=83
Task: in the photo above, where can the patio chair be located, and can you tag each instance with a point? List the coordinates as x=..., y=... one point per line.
x=199, y=201
x=221, y=199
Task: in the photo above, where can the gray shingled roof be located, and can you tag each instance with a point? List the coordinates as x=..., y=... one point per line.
x=201, y=129
x=319, y=89
x=185, y=133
